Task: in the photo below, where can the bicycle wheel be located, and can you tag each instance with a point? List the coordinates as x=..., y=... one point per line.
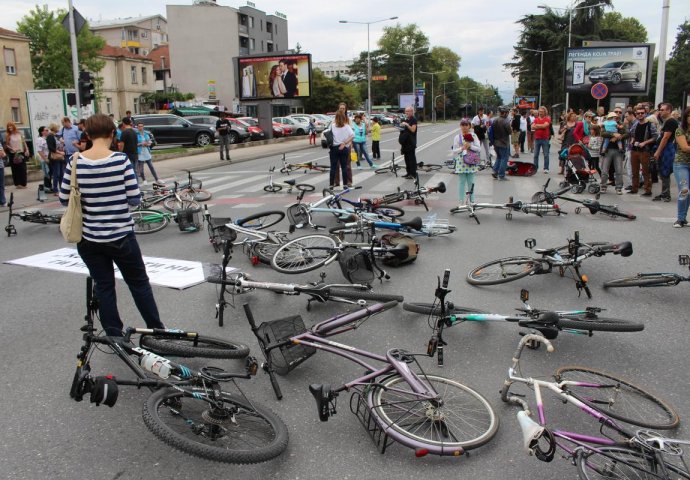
x=503, y=270
x=384, y=170
x=224, y=429
x=618, y=398
x=304, y=254
x=461, y=419
x=429, y=167
x=201, y=347
x=272, y=188
x=435, y=309
x=196, y=194
x=261, y=220
x=644, y=280
x=305, y=187
x=172, y=204
x=356, y=294
x=389, y=211
x=619, y=463
x=598, y=324
x=53, y=218
x=149, y=221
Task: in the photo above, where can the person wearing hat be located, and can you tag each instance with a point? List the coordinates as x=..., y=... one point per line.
x=223, y=128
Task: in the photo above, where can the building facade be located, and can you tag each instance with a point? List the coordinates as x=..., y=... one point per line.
x=123, y=79
x=205, y=39
x=160, y=56
x=334, y=69
x=139, y=35
x=15, y=78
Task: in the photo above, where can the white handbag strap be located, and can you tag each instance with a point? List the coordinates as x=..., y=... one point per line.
x=73, y=177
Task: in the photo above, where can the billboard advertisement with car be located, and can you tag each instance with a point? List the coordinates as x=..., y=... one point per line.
x=625, y=69
x=275, y=76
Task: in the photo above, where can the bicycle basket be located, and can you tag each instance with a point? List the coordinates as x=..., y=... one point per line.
x=356, y=265
x=219, y=229
x=285, y=358
x=297, y=216
x=189, y=220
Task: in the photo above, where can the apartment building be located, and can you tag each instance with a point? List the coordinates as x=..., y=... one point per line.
x=139, y=35
x=15, y=78
x=334, y=69
x=125, y=77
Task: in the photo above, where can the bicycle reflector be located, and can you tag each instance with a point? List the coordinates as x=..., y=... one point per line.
x=421, y=452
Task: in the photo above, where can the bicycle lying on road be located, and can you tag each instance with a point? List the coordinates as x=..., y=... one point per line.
x=395, y=402
x=306, y=166
x=274, y=187
x=238, y=283
x=652, y=279
x=567, y=257
x=549, y=323
x=418, y=195
x=31, y=216
x=592, y=205
x=222, y=229
x=538, y=209
x=619, y=452
x=430, y=227
x=391, y=168
x=187, y=409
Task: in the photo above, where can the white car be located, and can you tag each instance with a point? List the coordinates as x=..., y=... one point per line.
x=320, y=125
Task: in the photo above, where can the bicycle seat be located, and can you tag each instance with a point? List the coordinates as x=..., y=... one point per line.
x=545, y=251
x=414, y=224
x=291, y=181
x=624, y=249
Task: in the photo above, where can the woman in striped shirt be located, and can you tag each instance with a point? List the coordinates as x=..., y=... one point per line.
x=108, y=187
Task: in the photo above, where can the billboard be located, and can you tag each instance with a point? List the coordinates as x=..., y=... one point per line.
x=407, y=99
x=626, y=70
x=525, y=103
x=274, y=76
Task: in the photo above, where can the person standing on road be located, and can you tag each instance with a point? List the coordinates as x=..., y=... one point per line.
x=340, y=150
x=408, y=143
x=541, y=128
x=144, y=154
x=18, y=153
x=642, y=138
x=56, y=155
x=3, y=155
x=502, y=131
x=109, y=187
x=569, y=129
x=614, y=155
x=376, y=138
x=463, y=143
x=681, y=168
x=129, y=145
x=666, y=150
x=531, y=116
x=223, y=128
x=515, y=134
x=480, y=125
x=41, y=151
x=311, y=130
x=360, y=141
x=71, y=136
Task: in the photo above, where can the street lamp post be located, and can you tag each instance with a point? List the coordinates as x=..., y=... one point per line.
x=369, y=58
x=570, y=32
x=433, y=106
x=444, y=97
x=541, y=68
x=414, y=85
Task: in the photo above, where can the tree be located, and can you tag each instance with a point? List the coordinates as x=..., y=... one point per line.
x=327, y=93
x=677, y=72
x=49, y=45
x=615, y=27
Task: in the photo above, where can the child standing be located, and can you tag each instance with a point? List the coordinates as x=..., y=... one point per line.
x=311, y=129
x=594, y=146
x=466, y=149
x=375, y=138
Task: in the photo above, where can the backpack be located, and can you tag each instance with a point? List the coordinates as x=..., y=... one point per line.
x=395, y=239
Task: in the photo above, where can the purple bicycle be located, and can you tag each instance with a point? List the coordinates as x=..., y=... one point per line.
x=618, y=453
x=395, y=402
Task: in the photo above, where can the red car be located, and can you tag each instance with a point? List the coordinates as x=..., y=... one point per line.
x=252, y=126
x=286, y=131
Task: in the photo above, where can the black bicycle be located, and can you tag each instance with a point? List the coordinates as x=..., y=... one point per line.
x=187, y=409
x=593, y=206
x=659, y=279
x=31, y=216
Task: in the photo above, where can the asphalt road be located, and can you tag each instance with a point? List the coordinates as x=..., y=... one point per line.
x=47, y=435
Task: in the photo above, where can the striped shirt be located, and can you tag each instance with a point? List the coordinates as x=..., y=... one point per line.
x=108, y=187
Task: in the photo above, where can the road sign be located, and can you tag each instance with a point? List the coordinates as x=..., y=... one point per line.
x=600, y=90
x=379, y=77
x=79, y=22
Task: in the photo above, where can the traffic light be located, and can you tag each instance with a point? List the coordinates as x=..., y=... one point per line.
x=86, y=93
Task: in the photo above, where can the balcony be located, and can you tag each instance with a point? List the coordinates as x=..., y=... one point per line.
x=243, y=29
x=129, y=43
x=244, y=50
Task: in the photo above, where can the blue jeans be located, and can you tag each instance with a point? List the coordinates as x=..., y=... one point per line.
x=682, y=173
x=126, y=255
x=58, y=169
x=545, y=145
x=141, y=164
x=339, y=158
x=501, y=160
x=361, y=149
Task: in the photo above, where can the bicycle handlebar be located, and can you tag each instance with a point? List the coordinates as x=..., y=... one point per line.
x=531, y=337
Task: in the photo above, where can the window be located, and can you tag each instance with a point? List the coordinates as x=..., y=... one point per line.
x=136, y=106
x=133, y=72
x=143, y=75
x=269, y=47
x=108, y=105
x=123, y=34
x=252, y=44
x=261, y=24
x=262, y=45
x=10, y=61
x=243, y=20
x=132, y=35
x=144, y=34
x=251, y=22
x=15, y=113
x=244, y=42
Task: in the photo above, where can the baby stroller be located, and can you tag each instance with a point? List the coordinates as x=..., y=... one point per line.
x=520, y=169
x=578, y=173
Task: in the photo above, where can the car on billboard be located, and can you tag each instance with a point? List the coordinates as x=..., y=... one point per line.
x=616, y=72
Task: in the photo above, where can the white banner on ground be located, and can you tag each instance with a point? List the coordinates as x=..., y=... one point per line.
x=164, y=272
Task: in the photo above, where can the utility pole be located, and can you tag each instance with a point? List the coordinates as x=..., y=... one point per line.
x=661, y=70
x=75, y=56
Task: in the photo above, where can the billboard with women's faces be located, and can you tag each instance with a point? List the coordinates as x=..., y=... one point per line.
x=274, y=76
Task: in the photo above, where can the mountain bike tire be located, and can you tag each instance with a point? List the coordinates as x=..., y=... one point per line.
x=272, y=188
x=206, y=347
x=435, y=309
x=149, y=221
x=304, y=254
x=358, y=294
x=264, y=251
x=619, y=398
x=196, y=194
x=503, y=270
x=429, y=167
x=243, y=432
x=172, y=204
x=389, y=211
x=261, y=220
x=305, y=187
x=598, y=324
x=463, y=415
x=645, y=280
x=620, y=462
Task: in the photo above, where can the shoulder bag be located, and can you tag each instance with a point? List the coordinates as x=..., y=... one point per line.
x=71, y=222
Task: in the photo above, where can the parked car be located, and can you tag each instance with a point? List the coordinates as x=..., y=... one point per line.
x=616, y=72
x=286, y=129
x=256, y=132
x=318, y=123
x=278, y=130
x=173, y=130
x=238, y=132
x=383, y=119
x=297, y=127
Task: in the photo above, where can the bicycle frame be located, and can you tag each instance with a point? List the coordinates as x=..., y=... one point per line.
x=31, y=216
x=288, y=167
x=538, y=209
x=316, y=207
x=592, y=205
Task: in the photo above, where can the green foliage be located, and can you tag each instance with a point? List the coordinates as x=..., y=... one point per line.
x=327, y=93
x=615, y=27
x=677, y=71
x=49, y=45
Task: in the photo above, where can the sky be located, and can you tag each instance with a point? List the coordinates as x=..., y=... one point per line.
x=483, y=36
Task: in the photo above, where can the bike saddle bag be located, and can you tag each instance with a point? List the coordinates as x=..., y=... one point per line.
x=624, y=249
x=404, y=249
x=415, y=224
x=440, y=188
x=356, y=265
x=104, y=390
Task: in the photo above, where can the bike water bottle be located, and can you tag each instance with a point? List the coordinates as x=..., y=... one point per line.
x=155, y=364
